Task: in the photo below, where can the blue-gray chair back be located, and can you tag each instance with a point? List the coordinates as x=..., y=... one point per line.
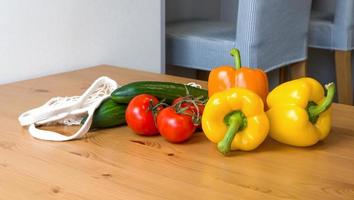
x=269, y=34
x=272, y=33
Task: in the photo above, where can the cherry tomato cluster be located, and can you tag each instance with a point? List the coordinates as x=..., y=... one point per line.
x=148, y=116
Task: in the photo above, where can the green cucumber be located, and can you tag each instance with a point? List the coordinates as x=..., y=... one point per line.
x=108, y=114
x=162, y=90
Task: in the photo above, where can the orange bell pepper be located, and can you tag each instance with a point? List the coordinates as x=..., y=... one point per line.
x=225, y=77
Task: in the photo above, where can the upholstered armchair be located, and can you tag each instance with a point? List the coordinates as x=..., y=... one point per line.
x=332, y=28
x=269, y=33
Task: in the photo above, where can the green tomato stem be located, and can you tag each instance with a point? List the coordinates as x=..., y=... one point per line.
x=237, y=58
x=235, y=122
x=315, y=110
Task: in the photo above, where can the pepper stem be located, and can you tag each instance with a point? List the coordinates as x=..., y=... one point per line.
x=235, y=122
x=315, y=110
x=237, y=58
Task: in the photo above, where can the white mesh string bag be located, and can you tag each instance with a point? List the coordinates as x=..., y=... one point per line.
x=68, y=111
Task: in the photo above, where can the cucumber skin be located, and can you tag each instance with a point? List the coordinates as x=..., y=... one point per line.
x=108, y=114
x=162, y=90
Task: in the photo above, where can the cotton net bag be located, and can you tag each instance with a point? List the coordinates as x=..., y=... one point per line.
x=68, y=111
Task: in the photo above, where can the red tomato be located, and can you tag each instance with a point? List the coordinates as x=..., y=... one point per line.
x=139, y=115
x=175, y=127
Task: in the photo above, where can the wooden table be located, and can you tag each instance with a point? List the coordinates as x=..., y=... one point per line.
x=117, y=164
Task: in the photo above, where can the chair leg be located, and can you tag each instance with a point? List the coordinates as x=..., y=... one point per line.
x=203, y=75
x=298, y=70
x=283, y=74
x=344, y=77
x=181, y=71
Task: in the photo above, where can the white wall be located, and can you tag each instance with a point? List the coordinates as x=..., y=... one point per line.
x=40, y=37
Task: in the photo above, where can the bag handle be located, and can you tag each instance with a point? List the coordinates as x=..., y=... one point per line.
x=54, y=136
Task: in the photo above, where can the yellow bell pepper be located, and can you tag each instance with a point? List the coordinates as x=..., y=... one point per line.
x=235, y=119
x=299, y=113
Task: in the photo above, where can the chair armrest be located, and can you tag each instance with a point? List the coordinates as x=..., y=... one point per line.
x=272, y=33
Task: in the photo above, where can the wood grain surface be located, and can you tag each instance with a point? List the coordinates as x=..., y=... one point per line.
x=117, y=164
